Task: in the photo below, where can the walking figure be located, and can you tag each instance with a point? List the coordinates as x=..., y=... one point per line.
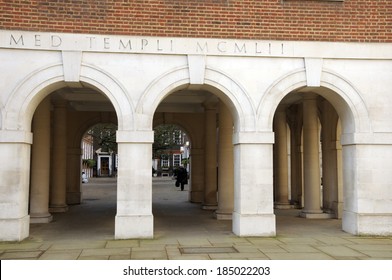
x=182, y=177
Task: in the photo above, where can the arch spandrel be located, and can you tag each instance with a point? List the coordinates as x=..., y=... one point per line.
x=27, y=95
x=34, y=88
x=339, y=92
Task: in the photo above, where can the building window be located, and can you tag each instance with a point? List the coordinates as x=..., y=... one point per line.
x=176, y=160
x=165, y=164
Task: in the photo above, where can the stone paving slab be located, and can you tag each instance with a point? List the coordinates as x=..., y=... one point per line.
x=264, y=241
x=122, y=243
x=94, y=258
x=105, y=252
x=19, y=246
x=368, y=247
x=298, y=256
x=119, y=257
x=370, y=240
x=78, y=245
x=173, y=253
x=246, y=249
x=207, y=250
x=61, y=255
x=230, y=256
x=21, y=255
x=333, y=240
x=271, y=249
x=189, y=257
x=195, y=241
x=150, y=247
x=300, y=240
x=149, y=255
x=299, y=248
x=214, y=240
x=340, y=251
x=377, y=254
x=162, y=241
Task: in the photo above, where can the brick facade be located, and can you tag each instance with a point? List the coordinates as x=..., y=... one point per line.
x=348, y=21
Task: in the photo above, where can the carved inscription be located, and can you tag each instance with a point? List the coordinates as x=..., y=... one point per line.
x=100, y=43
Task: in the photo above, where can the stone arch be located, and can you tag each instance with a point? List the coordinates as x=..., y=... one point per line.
x=23, y=101
x=215, y=81
x=344, y=97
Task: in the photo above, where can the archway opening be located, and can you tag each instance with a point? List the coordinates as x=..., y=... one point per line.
x=63, y=126
x=308, y=158
x=207, y=203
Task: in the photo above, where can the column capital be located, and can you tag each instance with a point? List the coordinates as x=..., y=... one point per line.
x=16, y=136
x=253, y=138
x=366, y=138
x=127, y=136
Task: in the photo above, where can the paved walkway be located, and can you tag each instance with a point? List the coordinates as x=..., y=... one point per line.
x=183, y=231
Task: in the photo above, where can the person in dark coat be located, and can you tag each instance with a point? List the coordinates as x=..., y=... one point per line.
x=182, y=177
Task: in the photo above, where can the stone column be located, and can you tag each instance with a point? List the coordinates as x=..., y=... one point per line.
x=14, y=184
x=40, y=165
x=253, y=205
x=210, y=173
x=134, y=217
x=294, y=114
x=196, y=184
x=225, y=165
x=282, y=174
x=312, y=192
x=329, y=122
x=338, y=204
x=74, y=175
x=59, y=158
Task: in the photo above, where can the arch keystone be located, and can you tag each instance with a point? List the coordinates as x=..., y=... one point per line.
x=313, y=68
x=72, y=61
x=197, y=69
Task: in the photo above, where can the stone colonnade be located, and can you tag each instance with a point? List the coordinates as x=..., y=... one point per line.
x=314, y=155
x=328, y=165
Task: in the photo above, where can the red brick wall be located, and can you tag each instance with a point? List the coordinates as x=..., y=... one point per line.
x=350, y=20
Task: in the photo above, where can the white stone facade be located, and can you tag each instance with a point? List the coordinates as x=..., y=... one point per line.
x=251, y=78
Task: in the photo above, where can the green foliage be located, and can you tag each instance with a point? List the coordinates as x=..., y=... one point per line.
x=104, y=136
x=90, y=162
x=165, y=139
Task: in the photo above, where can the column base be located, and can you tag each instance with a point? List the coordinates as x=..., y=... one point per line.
x=209, y=207
x=280, y=205
x=337, y=208
x=137, y=226
x=40, y=218
x=321, y=215
x=74, y=198
x=196, y=196
x=367, y=224
x=219, y=215
x=254, y=224
x=14, y=229
x=58, y=208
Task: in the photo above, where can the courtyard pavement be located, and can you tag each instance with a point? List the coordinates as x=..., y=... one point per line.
x=182, y=230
